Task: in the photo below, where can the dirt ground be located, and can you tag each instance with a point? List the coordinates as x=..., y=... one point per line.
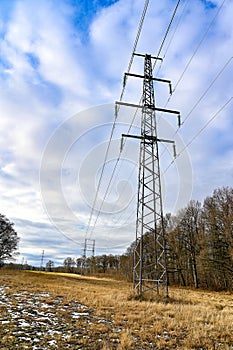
x=50, y=311
x=37, y=321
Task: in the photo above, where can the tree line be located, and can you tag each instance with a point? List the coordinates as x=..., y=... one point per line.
x=199, y=243
x=199, y=246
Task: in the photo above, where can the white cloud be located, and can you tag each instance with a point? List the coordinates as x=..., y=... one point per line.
x=42, y=30
x=51, y=70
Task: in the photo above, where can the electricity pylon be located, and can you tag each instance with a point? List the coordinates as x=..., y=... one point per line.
x=42, y=260
x=89, y=246
x=150, y=268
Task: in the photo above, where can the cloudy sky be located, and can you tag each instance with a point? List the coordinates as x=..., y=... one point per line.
x=61, y=70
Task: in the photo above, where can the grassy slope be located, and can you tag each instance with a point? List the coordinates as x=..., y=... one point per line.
x=190, y=320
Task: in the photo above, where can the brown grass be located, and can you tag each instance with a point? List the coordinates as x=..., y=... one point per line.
x=190, y=319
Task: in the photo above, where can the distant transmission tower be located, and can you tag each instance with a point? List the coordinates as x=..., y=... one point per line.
x=42, y=260
x=89, y=246
x=150, y=268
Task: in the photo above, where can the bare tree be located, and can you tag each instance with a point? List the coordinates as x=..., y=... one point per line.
x=218, y=235
x=69, y=264
x=190, y=225
x=200, y=240
x=49, y=265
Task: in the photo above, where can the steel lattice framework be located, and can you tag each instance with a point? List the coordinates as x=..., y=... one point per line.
x=149, y=253
x=150, y=270
x=89, y=246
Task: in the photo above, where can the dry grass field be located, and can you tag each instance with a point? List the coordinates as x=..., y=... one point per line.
x=63, y=311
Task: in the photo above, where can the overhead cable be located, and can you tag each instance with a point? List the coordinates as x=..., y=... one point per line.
x=121, y=96
x=113, y=127
x=134, y=50
x=135, y=43
x=199, y=132
x=199, y=44
x=178, y=23
x=167, y=31
x=209, y=87
x=202, y=96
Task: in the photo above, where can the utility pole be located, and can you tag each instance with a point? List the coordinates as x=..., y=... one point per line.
x=89, y=246
x=150, y=267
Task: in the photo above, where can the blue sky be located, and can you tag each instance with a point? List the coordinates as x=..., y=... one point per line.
x=61, y=70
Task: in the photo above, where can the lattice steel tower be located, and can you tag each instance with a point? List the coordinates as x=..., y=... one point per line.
x=150, y=268
x=89, y=246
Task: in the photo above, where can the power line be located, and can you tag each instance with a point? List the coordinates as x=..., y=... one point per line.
x=160, y=49
x=194, y=137
x=178, y=23
x=167, y=31
x=100, y=179
x=117, y=111
x=124, y=86
x=132, y=211
x=199, y=132
x=189, y=62
x=209, y=87
x=137, y=38
x=135, y=43
x=202, y=96
x=113, y=127
x=205, y=126
x=173, y=35
x=192, y=140
x=194, y=53
x=198, y=46
x=105, y=195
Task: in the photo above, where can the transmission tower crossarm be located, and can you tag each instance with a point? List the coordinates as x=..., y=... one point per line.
x=127, y=104
x=147, y=137
x=151, y=78
x=158, y=109
x=170, y=111
x=145, y=55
